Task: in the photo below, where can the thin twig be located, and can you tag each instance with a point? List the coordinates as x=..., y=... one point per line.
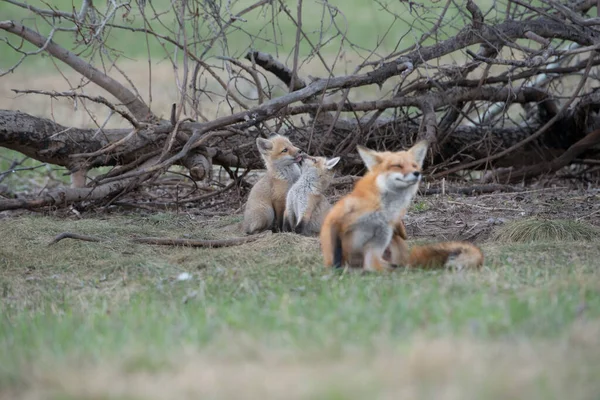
x=137, y=107
x=214, y=243
x=483, y=207
x=296, y=46
x=198, y=243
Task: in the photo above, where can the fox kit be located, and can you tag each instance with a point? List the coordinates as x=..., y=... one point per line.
x=306, y=205
x=266, y=202
x=367, y=222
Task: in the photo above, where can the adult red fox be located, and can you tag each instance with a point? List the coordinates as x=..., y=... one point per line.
x=367, y=222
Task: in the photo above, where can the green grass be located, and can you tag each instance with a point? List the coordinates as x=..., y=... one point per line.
x=99, y=320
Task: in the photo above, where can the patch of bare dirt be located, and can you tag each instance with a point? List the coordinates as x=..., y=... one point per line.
x=454, y=217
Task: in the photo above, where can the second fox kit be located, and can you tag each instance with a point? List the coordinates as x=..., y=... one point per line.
x=306, y=205
x=367, y=222
x=266, y=202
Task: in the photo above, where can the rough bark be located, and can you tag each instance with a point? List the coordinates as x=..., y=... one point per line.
x=47, y=141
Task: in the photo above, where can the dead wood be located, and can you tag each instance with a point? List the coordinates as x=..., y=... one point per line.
x=280, y=70
x=76, y=236
x=66, y=196
x=470, y=190
x=198, y=243
x=216, y=243
x=590, y=141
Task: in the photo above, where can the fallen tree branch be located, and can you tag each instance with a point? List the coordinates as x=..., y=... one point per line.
x=66, y=196
x=544, y=27
x=588, y=142
x=76, y=236
x=198, y=243
x=212, y=243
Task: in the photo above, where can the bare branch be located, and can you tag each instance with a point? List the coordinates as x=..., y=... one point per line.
x=476, y=13
x=135, y=105
x=216, y=243
x=281, y=71
x=40, y=11
x=198, y=243
x=297, y=45
x=76, y=236
x=252, y=72
x=96, y=99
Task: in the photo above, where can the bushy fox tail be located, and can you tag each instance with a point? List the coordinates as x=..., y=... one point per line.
x=454, y=255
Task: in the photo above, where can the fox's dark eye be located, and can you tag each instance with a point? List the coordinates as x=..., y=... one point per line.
x=398, y=166
x=284, y=150
x=414, y=166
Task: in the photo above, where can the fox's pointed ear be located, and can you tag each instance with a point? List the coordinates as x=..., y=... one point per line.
x=419, y=151
x=264, y=145
x=369, y=157
x=332, y=162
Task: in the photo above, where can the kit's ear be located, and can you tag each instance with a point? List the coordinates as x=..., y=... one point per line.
x=264, y=145
x=329, y=164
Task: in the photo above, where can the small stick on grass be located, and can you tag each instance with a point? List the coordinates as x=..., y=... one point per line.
x=69, y=235
x=198, y=243
x=166, y=241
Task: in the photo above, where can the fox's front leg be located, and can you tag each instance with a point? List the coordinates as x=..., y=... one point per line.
x=288, y=221
x=373, y=260
x=303, y=223
x=398, y=251
x=279, y=208
x=400, y=230
x=302, y=226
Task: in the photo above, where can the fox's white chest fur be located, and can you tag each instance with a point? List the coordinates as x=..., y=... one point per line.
x=307, y=184
x=289, y=173
x=394, y=202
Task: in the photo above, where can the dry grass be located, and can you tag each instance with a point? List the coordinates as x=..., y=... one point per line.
x=545, y=230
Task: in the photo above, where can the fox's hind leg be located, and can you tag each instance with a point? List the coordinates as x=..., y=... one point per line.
x=279, y=209
x=373, y=260
x=371, y=236
x=288, y=221
x=258, y=219
x=398, y=251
